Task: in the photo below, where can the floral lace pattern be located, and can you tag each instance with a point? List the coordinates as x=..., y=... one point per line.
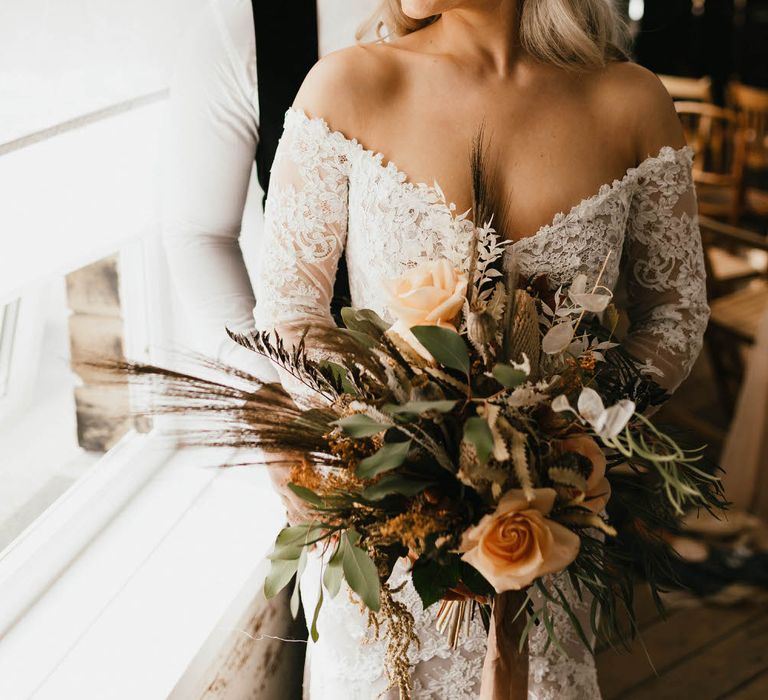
x=330, y=196
x=347, y=661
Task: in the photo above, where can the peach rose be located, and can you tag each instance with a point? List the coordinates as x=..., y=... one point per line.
x=517, y=544
x=598, y=486
x=431, y=294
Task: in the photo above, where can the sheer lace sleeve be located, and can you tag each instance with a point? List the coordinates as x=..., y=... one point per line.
x=305, y=228
x=665, y=269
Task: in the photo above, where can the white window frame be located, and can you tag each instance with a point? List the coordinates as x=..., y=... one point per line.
x=44, y=550
x=8, y=316
x=39, y=555
x=145, y=488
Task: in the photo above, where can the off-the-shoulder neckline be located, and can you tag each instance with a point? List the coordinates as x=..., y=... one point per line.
x=666, y=154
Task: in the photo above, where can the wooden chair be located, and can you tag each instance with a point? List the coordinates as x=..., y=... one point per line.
x=715, y=136
x=752, y=105
x=689, y=89
x=735, y=314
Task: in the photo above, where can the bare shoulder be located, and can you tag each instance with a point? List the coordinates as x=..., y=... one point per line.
x=637, y=99
x=347, y=86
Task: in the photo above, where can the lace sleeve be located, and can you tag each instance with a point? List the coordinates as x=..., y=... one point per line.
x=667, y=306
x=305, y=228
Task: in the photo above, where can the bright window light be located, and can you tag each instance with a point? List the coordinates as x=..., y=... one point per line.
x=636, y=10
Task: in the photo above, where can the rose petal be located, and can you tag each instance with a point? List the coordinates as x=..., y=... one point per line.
x=448, y=309
x=587, y=447
x=512, y=548
x=544, y=500
x=514, y=501
x=426, y=298
x=598, y=496
x=471, y=537
x=443, y=274
x=565, y=548
x=409, y=317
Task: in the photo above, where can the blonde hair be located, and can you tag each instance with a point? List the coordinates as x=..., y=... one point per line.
x=570, y=34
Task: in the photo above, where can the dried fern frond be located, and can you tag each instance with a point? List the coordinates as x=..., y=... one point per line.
x=321, y=352
x=229, y=407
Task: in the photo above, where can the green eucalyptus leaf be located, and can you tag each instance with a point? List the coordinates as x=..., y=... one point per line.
x=390, y=456
x=421, y=407
x=291, y=541
x=306, y=494
x=297, y=534
x=296, y=595
x=508, y=377
x=280, y=574
x=360, y=426
x=313, y=629
x=478, y=432
x=353, y=536
x=363, y=338
x=445, y=345
x=333, y=571
x=394, y=484
x=364, y=321
x=361, y=575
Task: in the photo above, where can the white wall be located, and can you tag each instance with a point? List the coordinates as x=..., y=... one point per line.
x=60, y=59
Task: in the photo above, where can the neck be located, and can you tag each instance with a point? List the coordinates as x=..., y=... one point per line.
x=484, y=32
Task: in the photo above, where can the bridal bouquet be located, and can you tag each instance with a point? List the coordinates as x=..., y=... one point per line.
x=485, y=435
x=482, y=435
x=495, y=435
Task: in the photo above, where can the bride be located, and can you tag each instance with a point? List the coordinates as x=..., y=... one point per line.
x=593, y=160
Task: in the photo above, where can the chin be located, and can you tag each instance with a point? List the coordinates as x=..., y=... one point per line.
x=421, y=9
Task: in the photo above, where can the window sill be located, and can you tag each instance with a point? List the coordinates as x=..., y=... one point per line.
x=130, y=616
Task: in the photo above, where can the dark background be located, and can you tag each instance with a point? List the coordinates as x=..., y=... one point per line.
x=723, y=39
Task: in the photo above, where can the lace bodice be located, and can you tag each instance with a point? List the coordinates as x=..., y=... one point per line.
x=330, y=196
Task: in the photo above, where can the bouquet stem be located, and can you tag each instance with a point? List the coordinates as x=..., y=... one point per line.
x=453, y=616
x=505, y=670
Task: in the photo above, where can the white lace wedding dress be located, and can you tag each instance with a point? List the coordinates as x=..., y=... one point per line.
x=329, y=195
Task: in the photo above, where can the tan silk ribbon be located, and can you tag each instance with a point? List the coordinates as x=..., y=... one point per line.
x=505, y=670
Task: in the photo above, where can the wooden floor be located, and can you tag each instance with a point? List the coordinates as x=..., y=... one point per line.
x=701, y=652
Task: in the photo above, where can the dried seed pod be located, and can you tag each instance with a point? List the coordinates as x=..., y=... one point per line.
x=525, y=335
x=481, y=328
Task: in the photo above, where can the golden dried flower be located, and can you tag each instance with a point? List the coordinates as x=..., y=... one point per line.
x=587, y=362
x=412, y=527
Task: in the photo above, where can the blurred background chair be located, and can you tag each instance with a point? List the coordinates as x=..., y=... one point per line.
x=737, y=269
x=715, y=135
x=713, y=54
x=689, y=89
x=751, y=103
